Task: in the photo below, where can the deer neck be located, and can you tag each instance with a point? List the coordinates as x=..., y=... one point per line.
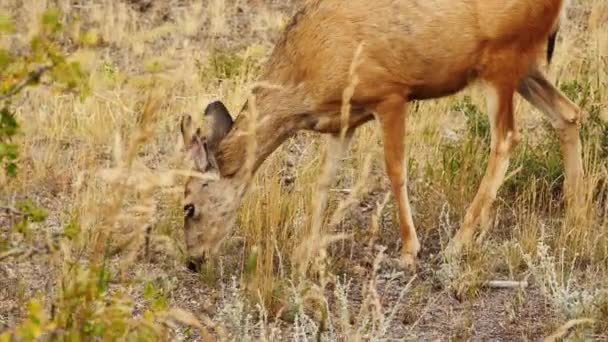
x=277, y=113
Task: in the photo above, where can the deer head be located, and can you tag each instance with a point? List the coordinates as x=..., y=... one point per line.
x=210, y=200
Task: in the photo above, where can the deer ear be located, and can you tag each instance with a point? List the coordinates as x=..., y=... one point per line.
x=221, y=123
x=202, y=155
x=187, y=130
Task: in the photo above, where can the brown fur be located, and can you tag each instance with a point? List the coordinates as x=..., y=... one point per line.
x=412, y=50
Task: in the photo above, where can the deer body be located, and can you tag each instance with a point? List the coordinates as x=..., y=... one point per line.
x=411, y=50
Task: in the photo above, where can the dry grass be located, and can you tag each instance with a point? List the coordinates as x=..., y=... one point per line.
x=107, y=170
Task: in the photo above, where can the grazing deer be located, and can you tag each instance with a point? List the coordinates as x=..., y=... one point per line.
x=412, y=50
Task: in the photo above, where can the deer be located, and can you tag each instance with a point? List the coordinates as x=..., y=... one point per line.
x=410, y=50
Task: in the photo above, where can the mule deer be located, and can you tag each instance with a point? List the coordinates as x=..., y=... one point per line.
x=412, y=50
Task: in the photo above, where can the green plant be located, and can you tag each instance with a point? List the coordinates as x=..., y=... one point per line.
x=540, y=163
x=45, y=60
x=8, y=150
x=222, y=65
x=85, y=309
x=478, y=125
x=29, y=213
x=463, y=162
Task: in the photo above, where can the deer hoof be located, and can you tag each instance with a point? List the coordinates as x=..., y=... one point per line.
x=456, y=245
x=409, y=255
x=407, y=261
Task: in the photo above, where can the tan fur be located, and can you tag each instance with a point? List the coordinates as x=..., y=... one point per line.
x=412, y=50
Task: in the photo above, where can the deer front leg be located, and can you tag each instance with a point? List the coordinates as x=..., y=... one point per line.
x=565, y=118
x=500, y=111
x=392, y=115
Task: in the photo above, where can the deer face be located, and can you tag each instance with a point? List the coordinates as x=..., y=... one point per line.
x=210, y=201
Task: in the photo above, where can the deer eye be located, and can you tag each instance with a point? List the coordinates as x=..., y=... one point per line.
x=189, y=210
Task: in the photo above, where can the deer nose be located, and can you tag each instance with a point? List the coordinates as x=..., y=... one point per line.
x=189, y=210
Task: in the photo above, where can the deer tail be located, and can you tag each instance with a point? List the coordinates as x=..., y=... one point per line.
x=551, y=45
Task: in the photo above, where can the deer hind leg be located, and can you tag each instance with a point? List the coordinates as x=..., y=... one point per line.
x=500, y=111
x=392, y=115
x=565, y=118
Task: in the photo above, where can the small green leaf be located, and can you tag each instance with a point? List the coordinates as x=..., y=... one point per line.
x=6, y=24
x=156, y=298
x=72, y=230
x=252, y=262
x=149, y=291
x=93, y=329
x=3, y=151
x=90, y=38
x=37, y=47
x=36, y=312
x=103, y=282
x=21, y=227
x=160, y=304
x=35, y=213
x=5, y=337
x=10, y=151
x=8, y=124
x=5, y=59
x=11, y=169
x=51, y=21
x=70, y=75
x=32, y=329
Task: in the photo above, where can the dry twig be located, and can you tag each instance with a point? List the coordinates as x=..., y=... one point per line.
x=567, y=328
x=32, y=77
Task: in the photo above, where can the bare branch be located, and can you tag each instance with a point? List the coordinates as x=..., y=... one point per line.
x=12, y=253
x=12, y=211
x=567, y=328
x=32, y=77
x=506, y=284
